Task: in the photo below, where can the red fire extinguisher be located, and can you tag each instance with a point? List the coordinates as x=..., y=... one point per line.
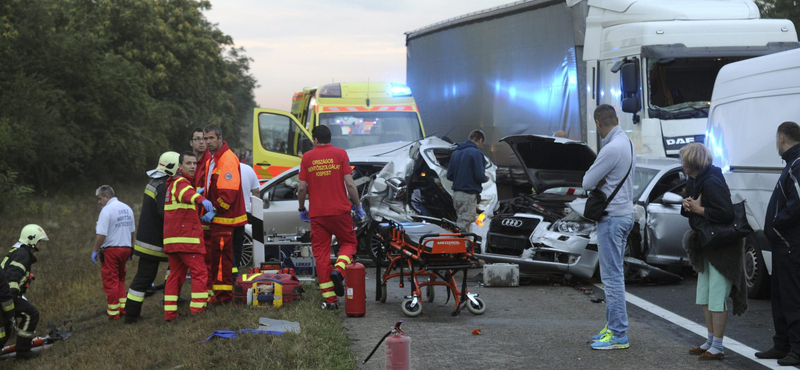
x=398, y=349
x=356, y=297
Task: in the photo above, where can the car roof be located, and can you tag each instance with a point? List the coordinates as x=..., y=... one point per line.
x=657, y=163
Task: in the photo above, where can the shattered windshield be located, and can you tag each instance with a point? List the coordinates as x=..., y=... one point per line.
x=681, y=88
x=357, y=129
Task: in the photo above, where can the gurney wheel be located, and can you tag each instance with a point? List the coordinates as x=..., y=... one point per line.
x=479, y=310
x=411, y=311
x=430, y=295
x=383, y=293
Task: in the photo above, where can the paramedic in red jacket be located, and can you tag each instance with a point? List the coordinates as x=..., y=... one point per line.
x=224, y=189
x=183, y=237
x=198, y=144
x=326, y=176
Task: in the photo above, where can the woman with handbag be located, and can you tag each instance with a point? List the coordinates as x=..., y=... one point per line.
x=720, y=268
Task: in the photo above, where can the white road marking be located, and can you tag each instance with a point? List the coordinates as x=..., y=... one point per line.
x=729, y=343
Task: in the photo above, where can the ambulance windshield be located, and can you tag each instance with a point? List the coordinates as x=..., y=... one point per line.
x=357, y=129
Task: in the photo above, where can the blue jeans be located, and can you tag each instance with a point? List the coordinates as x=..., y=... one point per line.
x=612, y=236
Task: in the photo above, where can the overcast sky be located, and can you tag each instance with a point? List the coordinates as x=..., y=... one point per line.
x=301, y=43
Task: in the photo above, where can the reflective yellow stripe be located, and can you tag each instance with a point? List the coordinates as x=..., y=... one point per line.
x=222, y=220
x=328, y=294
x=13, y=285
x=24, y=334
x=3, y=264
x=180, y=195
x=122, y=302
x=223, y=204
x=346, y=258
x=235, y=270
x=326, y=285
x=113, y=306
x=340, y=264
x=150, y=193
x=7, y=306
x=197, y=304
x=174, y=206
x=202, y=295
x=20, y=266
x=2, y=332
x=182, y=240
x=149, y=251
x=170, y=298
x=135, y=298
x=170, y=307
x=112, y=313
x=194, y=197
x=223, y=287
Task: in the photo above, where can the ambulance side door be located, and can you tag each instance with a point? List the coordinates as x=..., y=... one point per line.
x=279, y=142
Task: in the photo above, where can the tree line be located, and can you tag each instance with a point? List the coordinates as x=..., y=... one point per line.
x=96, y=90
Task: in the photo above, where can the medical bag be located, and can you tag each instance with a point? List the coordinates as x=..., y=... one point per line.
x=258, y=288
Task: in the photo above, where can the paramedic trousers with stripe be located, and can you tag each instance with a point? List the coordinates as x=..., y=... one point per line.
x=179, y=263
x=145, y=276
x=321, y=230
x=113, y=273
x=220, y=277
x=27, y=319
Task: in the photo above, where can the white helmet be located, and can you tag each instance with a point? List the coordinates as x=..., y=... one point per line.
x=168, y=163
x=32, y=234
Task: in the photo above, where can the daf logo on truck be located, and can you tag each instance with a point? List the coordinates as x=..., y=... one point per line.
x=359, y=114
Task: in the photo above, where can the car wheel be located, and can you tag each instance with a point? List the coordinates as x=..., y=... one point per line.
x=755, y=269
x=247, y=252
x=374, y=244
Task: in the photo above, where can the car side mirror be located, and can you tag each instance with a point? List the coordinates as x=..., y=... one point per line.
x=669, y=199
x=266, y=202
x=305, y=144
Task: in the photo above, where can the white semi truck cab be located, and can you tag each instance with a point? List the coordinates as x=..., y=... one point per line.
x=657, y=61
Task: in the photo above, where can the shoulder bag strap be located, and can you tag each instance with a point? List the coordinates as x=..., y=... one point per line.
x=623, y=179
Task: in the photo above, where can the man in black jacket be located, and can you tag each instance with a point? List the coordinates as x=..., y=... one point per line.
x=6, y=310
x=17, y=268
x=782, y=228
x=467, y=171
x=149, y=240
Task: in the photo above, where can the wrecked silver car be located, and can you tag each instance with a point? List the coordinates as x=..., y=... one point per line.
x=544, y=232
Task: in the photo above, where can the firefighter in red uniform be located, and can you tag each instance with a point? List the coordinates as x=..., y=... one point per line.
x=183, y=238
x=200, y=150
x=326, y=176
x=224, y=190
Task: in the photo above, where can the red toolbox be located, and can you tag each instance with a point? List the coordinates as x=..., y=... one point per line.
x=267, y=288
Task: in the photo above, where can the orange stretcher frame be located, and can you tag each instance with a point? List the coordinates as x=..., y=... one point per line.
x=437, y=256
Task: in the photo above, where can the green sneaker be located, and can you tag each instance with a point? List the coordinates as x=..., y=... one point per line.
x=611, y=341
x=601, y=334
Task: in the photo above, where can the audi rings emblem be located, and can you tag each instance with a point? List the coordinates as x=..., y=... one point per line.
x=512, y=222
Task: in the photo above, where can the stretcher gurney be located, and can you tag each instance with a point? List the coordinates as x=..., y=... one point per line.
x=426, y=250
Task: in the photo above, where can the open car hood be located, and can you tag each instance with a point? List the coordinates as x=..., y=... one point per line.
x=551, y=162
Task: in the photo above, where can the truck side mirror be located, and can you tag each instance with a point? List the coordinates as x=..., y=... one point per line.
x=629, y=81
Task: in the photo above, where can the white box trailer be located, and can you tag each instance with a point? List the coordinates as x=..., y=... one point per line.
x=539, y=66
x=751, y=99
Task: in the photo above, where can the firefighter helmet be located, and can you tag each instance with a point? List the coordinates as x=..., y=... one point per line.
x=32, y=234
x=168, y=163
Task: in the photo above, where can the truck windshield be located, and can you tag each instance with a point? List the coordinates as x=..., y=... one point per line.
x=681, y=88
x=357, y=129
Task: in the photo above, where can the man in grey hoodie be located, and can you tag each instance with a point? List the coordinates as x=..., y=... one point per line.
x=609, y=169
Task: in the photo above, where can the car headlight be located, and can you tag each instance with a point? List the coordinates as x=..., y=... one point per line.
x=573, y=227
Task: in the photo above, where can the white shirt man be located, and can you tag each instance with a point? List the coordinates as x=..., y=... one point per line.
x=115, y=235
x=249, y=184
x=116, y=224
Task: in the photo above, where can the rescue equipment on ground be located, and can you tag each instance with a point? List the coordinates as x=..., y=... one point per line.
x=258, y=288
x=431, y=251
x=398, y=349
x=38, y=343
x=501, y=274
x=355, y=294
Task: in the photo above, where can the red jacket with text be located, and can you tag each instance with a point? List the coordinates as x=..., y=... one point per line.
x=182, y=230
x=224, y=188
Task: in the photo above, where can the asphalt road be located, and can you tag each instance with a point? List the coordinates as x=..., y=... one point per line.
x=547, y=325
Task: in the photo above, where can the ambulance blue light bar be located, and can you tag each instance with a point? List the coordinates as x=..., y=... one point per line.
x=331, y=91
x=399, y=90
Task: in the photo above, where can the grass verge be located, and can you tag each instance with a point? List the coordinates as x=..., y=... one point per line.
x=68, y=292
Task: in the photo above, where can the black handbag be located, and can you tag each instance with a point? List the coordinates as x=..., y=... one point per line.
x=597, y=201
x=713, y=235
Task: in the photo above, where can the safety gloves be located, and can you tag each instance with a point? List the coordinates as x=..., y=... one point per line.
x=207, y=205
x=94, y=257
x=200, y=190
x=304, y=216
x=359, y=211
x=208, y=217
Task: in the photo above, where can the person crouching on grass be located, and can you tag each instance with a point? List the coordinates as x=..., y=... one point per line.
x=183, y=236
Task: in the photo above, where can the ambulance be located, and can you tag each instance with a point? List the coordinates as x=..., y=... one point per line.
x=359, y=114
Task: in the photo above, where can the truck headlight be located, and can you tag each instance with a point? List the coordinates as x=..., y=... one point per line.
x=573, y=227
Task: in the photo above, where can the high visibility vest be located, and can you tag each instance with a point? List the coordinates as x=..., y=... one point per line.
x=182, y=230
x=225, y=189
